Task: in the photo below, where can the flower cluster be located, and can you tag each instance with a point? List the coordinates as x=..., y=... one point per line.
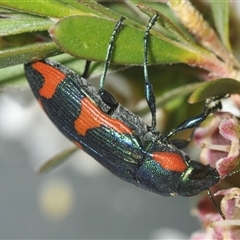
x=220, y=148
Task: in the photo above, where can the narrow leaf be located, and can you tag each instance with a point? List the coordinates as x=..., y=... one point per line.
x=27, y=53
x=220, y=11
x=48, y=8
x=218, y=87
x=56, y=160
x=91, y=6
x=20, y=23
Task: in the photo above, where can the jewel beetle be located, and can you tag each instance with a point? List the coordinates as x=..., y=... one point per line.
x=117, y=138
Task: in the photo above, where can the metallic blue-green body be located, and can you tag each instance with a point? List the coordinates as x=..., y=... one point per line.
x=127, y=155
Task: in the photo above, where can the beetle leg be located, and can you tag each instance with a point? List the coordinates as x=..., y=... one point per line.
x=193, y=122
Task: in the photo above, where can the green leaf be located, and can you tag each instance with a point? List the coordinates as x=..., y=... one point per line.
x=56, y=160
x=218, y=87
x=47, y=8
x=92, y=45
x=220, y=11
x=14, y=23
x=27, y=53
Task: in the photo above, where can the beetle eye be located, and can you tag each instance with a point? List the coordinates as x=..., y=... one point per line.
x=199, y=172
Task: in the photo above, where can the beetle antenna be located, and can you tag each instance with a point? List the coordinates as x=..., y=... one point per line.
x=230, y=174
x=215, y=204
x=149, y=93
x=109, y=51
x=212, y=198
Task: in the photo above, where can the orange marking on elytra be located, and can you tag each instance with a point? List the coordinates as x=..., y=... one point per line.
x=52, y=77
x=92, y=117
x=170, y=161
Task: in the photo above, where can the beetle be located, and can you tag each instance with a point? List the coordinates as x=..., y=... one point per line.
x=117, y=138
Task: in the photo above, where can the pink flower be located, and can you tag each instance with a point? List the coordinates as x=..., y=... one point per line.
x=207, y=214
x=219, y=142
x=220, y=148
x=214, y=226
